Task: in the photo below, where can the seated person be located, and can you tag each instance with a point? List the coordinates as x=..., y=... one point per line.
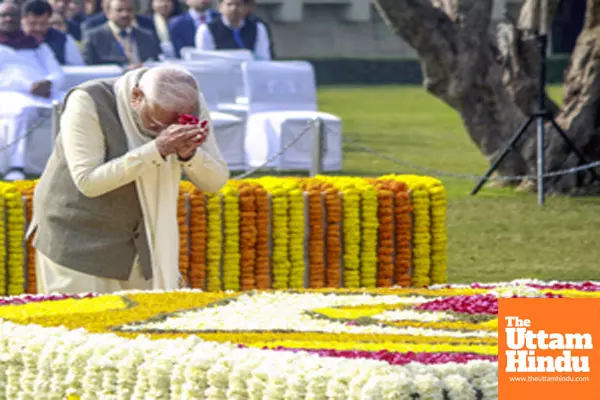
x=61, y=7
x=232, y=31
x=183, y=27
x=117, y=41
x=36, y=22
x=249, y=8
x=163, y=9
x=100, y=18
x=31, y=78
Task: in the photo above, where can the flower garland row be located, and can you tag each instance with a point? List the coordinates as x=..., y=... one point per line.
x=282, y=233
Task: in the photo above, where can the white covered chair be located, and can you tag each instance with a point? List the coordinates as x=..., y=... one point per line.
x=282, y=99
x=232, y=98
x=78, y=74
x=230, y=130
x=36, y=141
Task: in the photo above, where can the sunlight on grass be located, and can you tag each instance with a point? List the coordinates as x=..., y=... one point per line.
x=496, y=235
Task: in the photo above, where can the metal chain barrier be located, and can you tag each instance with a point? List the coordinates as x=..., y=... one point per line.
x=309, y=125
x=38, y=122
x=47, y=117
x=439, y=173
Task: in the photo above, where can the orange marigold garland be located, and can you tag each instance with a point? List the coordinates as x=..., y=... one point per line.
x=316, y=236
x=333, y=204
x=402, y=210
x=385, y=249
x=198, y=226
x=248, y=235
x=262, y=268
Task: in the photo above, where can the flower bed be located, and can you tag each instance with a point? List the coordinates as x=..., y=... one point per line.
x=347, y=344
x=282, y=233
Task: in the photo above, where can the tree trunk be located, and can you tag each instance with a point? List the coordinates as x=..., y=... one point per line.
x=488, y=72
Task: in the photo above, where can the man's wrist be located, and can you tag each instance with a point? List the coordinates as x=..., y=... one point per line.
x=188, y=158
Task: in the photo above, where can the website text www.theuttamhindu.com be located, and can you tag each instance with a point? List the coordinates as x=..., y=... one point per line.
x=530, y=378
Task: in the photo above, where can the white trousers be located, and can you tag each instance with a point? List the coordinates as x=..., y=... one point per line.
x=53, y=278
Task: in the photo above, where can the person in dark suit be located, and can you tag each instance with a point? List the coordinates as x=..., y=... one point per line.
x=249, y=8
x=182, y=28
x=234, y=31
x=36, y=22
x=117, y=41
x=100, y=18
x=61, y=6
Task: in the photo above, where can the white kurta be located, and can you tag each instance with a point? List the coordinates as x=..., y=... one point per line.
x=84, y=147
x=19, y=109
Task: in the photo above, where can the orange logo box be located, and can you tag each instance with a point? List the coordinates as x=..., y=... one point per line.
x=549, y=349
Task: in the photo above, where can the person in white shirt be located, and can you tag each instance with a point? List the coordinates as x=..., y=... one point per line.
x=233, y=31
x=31, y=78
x=36, y=22
x=105, y=208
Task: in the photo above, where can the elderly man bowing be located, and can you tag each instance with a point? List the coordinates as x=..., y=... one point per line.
x=105, y=208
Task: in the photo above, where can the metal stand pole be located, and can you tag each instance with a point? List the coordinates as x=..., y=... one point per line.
x=55, y=119
x=541, y=116
x=316, y=161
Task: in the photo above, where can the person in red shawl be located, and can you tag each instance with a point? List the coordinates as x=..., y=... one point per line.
x=31, y=79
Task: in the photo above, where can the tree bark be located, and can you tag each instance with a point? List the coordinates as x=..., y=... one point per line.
x=489, y=73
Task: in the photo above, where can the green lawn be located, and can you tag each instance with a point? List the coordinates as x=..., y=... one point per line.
x=496, y=235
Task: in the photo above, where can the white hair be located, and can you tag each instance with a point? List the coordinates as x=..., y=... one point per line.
x=169, y=86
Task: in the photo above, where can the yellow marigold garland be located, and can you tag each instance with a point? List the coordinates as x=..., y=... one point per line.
x=15, y=231
x=231, y=236
x=431, y=192
x=421, y=239
x=248, y=234
x=439, y=241
x=389, y=236
x=3, y=233
x=26, y=188
x=280, y=264
x=214, y=242
x=296, y=224
x=368, y=241
x=198, y=240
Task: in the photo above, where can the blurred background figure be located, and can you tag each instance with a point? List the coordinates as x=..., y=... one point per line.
x=58, y=22
x=183, y=27
x=75, y=12
x=233, y=31
x=163, y=11
x=119, y=41
x=146, y=7
x=100, y=18
x=31, y=78
x=36, y=22
x=91, y=7
x=62, y=7
x=249, y=8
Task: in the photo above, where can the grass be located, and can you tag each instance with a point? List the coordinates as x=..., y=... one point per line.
x=495, y=236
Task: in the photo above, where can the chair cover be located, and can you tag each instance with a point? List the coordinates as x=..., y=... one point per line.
x=282, y=102
x=36, y=141
x=232, y=98
x=78, y=74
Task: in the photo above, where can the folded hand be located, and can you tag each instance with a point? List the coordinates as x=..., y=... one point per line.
x=41, y=88
x=181, y=140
